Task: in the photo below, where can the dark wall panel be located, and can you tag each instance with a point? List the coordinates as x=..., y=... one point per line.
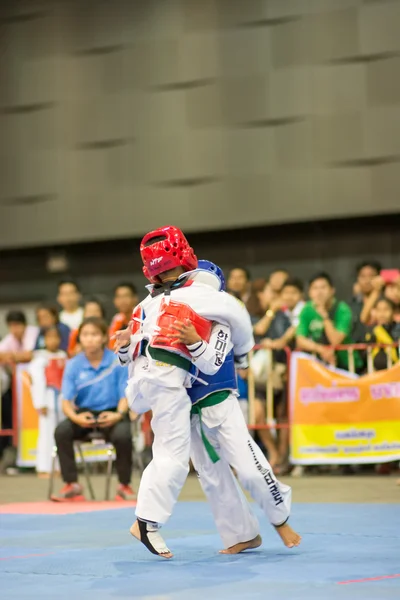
x=116, y=117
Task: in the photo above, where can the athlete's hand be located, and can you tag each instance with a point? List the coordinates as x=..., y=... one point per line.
x=122, y=337
x=184, y=333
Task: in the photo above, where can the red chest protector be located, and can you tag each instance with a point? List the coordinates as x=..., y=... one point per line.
x=54, y=372
x=136, y=327
x=177, y=311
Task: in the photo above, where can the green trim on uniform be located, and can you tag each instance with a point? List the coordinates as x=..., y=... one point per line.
x=211, y=400
x=167, y=357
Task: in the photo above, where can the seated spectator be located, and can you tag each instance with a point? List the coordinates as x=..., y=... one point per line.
x=363, y=288
x=69, y=297
x=47, y=316
x=239, y=283
x=46, y=370
x=93, y=392
x=385, y=331
x=325, y=322
x=125, y=300
x=92, y=308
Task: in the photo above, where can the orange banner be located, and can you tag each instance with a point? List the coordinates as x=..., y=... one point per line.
x=341, y=418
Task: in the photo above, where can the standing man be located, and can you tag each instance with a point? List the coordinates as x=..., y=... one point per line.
x=69, y=298
x=125, y=300
x=325, y=322
x=239, y=283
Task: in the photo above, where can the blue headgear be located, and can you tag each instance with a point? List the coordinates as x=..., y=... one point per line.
x=210, y=267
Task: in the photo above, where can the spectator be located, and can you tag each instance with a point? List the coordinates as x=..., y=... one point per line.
x=392, y=293
x=93, y=391
x=277, y=280
x=92, y=308
x=274, y=325
x=256, y=304
x=16, y=347
x=325, y=322
x=386, y=331
x=239, y=283
x=363, y=288
x=292, y=305
x=69, y=297
x=46, y=370
x=271, y=304
x=47, y=316
x=125, y=300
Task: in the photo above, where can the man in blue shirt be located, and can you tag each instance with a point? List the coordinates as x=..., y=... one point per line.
x=93, y=396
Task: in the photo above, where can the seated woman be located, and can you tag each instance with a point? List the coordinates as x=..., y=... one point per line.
x=93, y=397
x=385, y=331
x=47, y=316
x=92, y=308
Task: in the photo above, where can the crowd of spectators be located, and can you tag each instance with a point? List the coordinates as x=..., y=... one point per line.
x=285, y=312
x=68, y=355
x=310, y=317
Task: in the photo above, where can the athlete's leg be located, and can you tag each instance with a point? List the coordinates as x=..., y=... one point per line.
x=234, y=519
x=163, y=478
x=254, y=471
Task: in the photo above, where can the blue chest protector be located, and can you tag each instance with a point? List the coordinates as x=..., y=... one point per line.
x=225, y=379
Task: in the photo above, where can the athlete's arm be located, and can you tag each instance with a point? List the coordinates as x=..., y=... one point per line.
x=124, y=356
x=209, y=357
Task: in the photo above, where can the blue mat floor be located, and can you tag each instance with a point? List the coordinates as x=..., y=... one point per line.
x=92, y=556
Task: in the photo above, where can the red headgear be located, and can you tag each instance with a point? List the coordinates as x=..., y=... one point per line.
x=169, y=252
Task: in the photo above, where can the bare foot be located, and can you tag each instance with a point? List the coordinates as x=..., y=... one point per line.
x=289, y=537
x=151, y=538
x=42, y=475
x=242, y=546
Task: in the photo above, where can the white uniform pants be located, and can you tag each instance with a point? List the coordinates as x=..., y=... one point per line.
x=225, y=428
x=45, y=443
x=163, y=478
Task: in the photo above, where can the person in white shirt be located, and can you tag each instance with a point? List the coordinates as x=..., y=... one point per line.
x=46, y=371
x=69, y=297
x=18, y=344
x=16, y=347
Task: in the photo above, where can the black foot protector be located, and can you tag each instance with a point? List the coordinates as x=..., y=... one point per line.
x=151, y=538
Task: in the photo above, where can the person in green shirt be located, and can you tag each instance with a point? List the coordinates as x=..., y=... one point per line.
x=325, y=322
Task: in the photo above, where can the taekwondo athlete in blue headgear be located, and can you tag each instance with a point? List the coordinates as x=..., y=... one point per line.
x=220, y=440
